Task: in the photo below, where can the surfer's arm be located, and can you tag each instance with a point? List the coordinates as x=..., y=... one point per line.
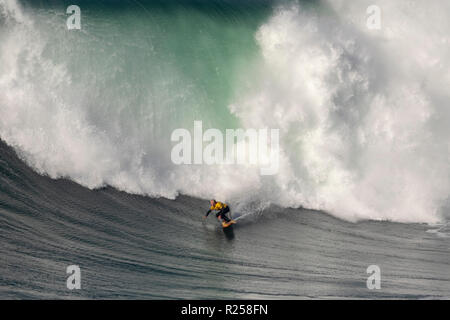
x=207, y=214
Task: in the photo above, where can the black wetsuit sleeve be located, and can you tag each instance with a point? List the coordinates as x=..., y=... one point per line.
x=207, y=214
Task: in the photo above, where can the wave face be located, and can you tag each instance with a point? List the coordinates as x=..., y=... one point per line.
x=363, y=114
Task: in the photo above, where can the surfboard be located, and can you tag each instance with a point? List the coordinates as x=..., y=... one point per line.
x=227, y=224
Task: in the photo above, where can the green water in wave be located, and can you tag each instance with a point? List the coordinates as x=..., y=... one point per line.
x=146, y=67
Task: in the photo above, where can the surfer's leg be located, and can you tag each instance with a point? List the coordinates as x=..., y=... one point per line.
x=223, y=214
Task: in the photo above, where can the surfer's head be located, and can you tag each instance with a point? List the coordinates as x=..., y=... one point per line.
x=212, y=201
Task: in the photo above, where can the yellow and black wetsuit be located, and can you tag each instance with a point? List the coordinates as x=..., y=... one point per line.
x=222, y=209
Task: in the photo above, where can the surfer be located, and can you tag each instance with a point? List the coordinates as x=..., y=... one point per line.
x=221, y=208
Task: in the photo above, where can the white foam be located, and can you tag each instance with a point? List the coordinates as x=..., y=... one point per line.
x=362, y=112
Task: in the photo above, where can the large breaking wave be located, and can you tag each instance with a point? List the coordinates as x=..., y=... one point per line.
x=363, y=114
